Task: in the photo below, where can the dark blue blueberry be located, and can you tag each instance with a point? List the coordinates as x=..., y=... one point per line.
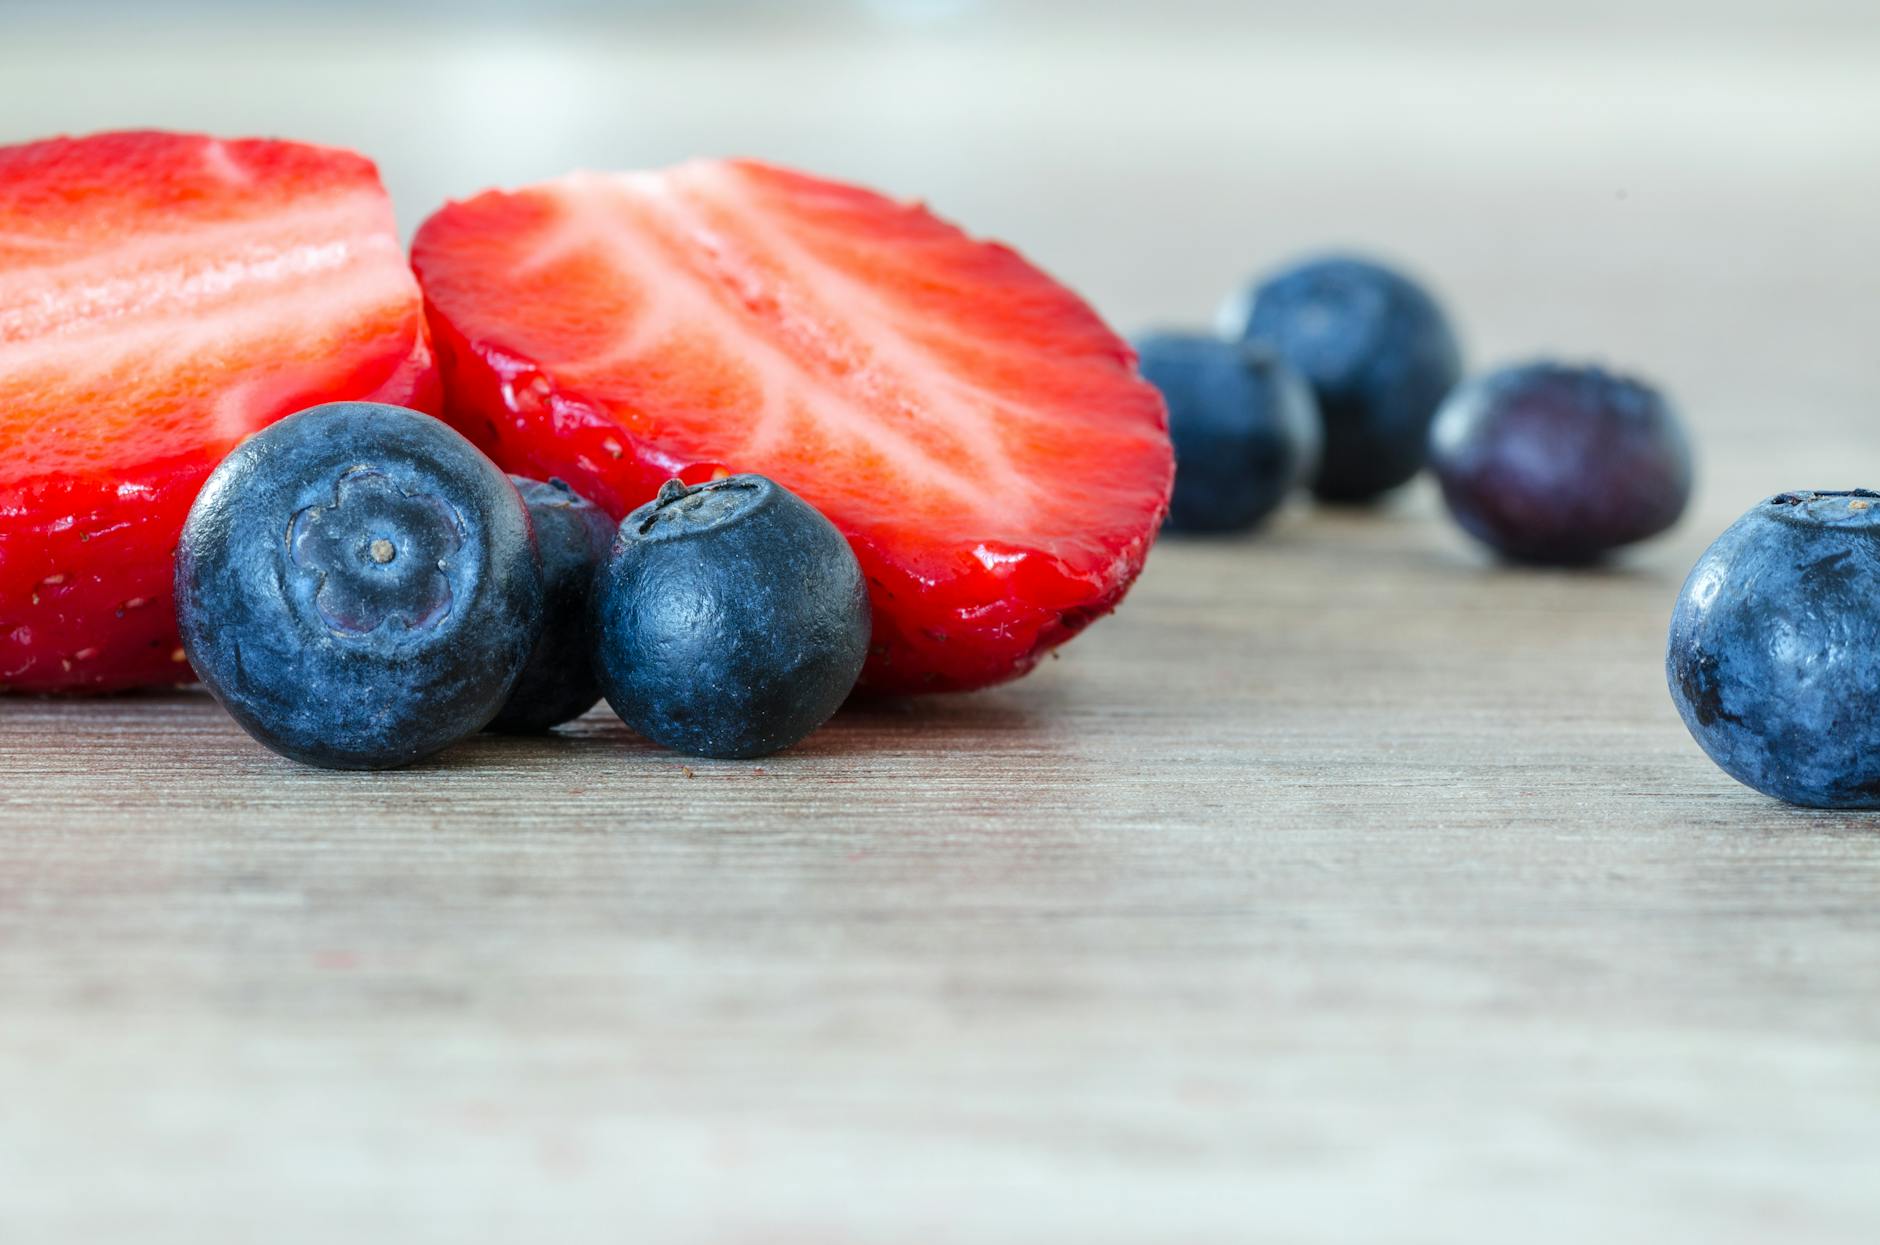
x=1549, y=463
x=1774, y=655
x=1243, y=424
x=573, y=536
x=358, y=585
x=1378, y=353
x=731, y=618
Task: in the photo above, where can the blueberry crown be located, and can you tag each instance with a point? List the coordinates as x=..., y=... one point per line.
x=378, y=553
x=1803, y=496
x=1854, y=507
x=681, y=506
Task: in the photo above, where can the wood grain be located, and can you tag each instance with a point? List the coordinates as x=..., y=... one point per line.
x=1343, y=886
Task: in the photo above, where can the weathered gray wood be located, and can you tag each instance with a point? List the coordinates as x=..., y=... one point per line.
x=1342, y=887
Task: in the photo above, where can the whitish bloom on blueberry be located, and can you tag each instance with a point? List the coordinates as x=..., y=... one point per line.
x=381, y=554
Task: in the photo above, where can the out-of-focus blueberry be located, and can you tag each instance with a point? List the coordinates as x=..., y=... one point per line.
x=1378, y=352
x=1550, y=463
x=1243, y=424
x=573, y=535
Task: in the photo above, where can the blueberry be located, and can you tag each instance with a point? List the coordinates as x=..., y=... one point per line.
x=1378, y=353
x=559, y=684
x=1550, y=463
x=1243, y=424
x=1774, y=653
x=731, y=618
x=358, y=586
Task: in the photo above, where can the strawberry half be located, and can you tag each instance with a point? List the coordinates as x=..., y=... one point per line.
x=980, y=436
x=162, y=296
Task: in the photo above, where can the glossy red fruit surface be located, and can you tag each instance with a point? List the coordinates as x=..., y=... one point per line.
x=975, y=430
x=162, y=296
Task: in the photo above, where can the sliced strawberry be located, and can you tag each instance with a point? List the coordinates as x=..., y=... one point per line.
x=161, y=297
x=972, y=426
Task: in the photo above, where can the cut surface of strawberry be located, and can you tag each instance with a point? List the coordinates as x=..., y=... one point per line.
x=162, y=296
x=975, y=430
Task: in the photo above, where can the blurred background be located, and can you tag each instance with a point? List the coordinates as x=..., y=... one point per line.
x=1602, y=178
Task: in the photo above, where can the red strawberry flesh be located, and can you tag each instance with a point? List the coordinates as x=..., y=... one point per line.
x=162, y=296
x=972, y=426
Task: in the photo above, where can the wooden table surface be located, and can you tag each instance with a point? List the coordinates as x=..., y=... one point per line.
x=1344, y=886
